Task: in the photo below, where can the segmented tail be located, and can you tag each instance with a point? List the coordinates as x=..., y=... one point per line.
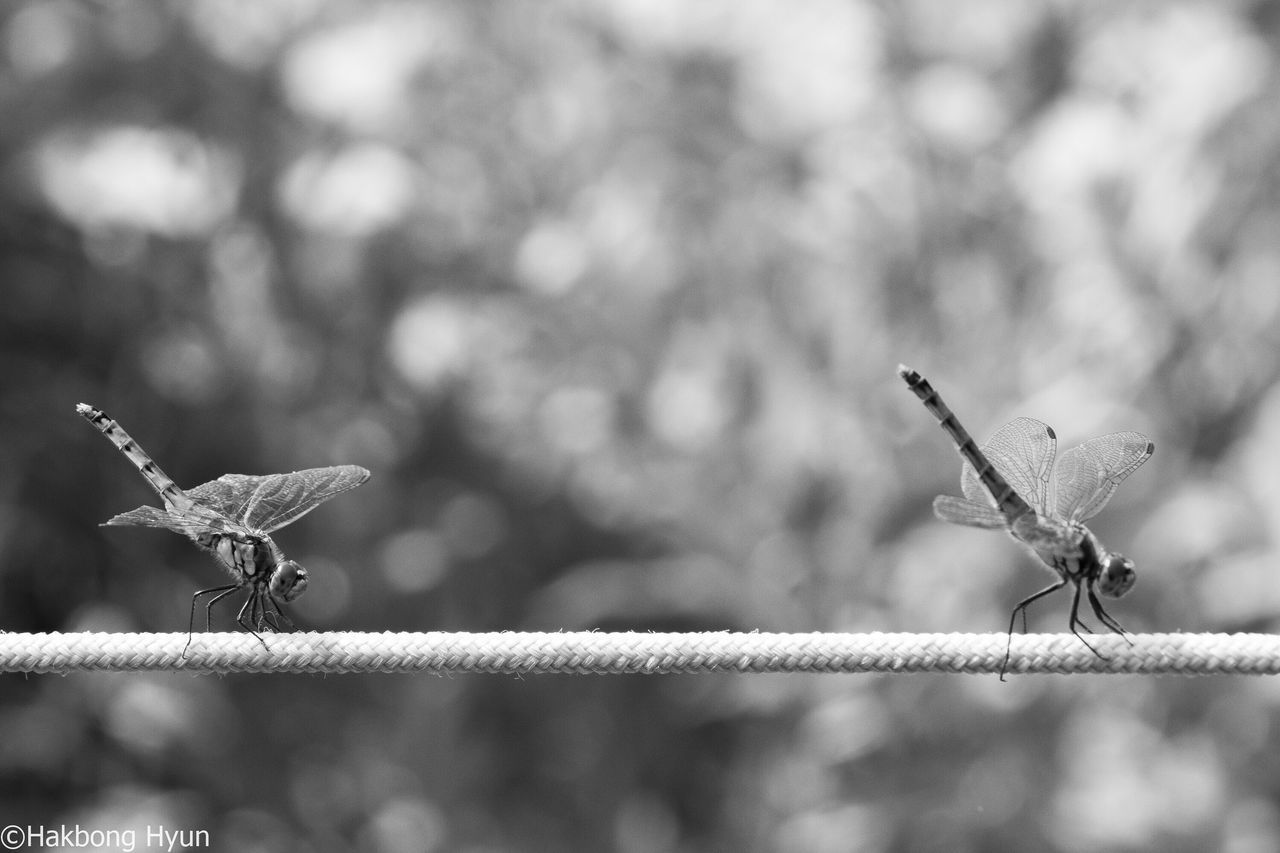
x=173, y=497
x=1010, y=503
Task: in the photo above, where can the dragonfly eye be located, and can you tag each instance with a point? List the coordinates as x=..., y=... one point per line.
x=288, y=581
x=1117, y=576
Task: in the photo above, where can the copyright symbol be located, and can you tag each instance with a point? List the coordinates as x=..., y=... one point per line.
x=12, y=837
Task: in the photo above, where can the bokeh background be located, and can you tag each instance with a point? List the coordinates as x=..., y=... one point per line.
x=609, y=297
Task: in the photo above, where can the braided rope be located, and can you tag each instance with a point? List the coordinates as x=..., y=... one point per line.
x=610, y=653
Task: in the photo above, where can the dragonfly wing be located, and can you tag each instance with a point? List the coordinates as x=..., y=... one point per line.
x=180, y=521
x=1087, y=476
x=281, y=499
x=229, y=495
x=968, y=513
x=1022, y=452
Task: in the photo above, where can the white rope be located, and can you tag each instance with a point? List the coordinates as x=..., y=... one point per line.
x=605, y=653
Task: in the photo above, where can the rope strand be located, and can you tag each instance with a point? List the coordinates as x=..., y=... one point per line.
x=616, y=653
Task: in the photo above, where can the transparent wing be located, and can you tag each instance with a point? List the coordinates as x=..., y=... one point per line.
x=228, y=495
x=968, y=513
x=1022, y=451
x=1087, y=476
x=269, y=502
x=190, y=522
x=284, y=498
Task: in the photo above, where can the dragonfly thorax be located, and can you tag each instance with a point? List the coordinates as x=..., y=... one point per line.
x=256, y=560
x=1111, y=574
x=246, y=557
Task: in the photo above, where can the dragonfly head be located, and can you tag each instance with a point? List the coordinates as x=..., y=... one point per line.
x=1117, y=575
x=288, y=581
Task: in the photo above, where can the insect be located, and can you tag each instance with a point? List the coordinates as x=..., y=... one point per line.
x=1012, y=484
x=232, y=517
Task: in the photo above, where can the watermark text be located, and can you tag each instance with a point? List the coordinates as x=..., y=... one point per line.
x=76, y=837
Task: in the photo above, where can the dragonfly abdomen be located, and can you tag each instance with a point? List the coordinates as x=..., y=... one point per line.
x=1007, y=499
x=165, y=487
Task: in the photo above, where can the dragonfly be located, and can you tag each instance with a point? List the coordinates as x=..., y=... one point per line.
x=232, y=517
x=1012, y=483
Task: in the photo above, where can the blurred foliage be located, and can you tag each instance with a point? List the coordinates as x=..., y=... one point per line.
x=609, y=296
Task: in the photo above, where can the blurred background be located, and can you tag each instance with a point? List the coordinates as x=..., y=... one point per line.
x=609, y=296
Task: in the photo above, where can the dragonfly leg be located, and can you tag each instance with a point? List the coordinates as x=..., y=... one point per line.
x=251, y=604
x=222, y=592
x=1075, y=615
x=1022, y=608
x=1106, y=618
x=254, y=603
x=258, y=614
x=1075, y=620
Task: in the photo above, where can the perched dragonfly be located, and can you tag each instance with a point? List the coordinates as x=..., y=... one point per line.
x=232, y=517
x=1012, y=484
